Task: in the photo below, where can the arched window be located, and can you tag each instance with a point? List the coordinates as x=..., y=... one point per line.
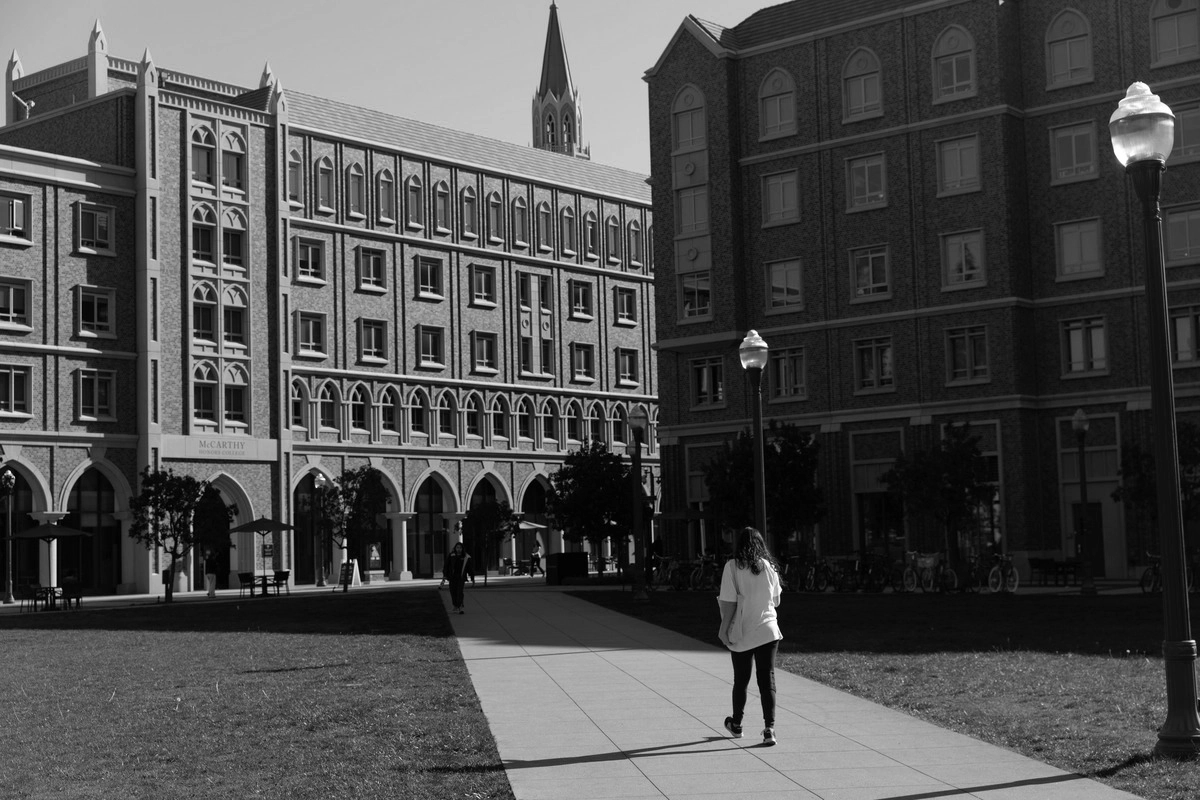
x=525, y=419
x=470, y=212
x=204, y=229
x=441, y=206
x=777, y=105
x=635, y=242
x=861, y=97
x=389, y=411
x=299, y=405
x=549, y=421
x=567, y=230
x=359, y=409
x=687, y=119
x=953, y=65
x=575, y=423
x=612, y=239
x=204, y=310
x=446, y=411
x=618, y=426
x=1068, y=50
x=414, y=201
x=385, y=196
x=520, y=222
x=295, y=181
x=568, y=129
x=327, y=407
x=591, y=236
x=356, y=190
x=474, y=416
x=595, y=423
x=204, y=392
x=233, y=237
x=1175, y=31
x=418, y=416
x=545, y=224
x=499, y=414
x=237, y=388
x=495, y=217
x=204, y=154
x=325, y=184
x=233, y=317
x=551, y=131
x=233, y=161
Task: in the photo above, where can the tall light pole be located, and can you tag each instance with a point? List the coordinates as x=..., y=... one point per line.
x=1083, y=552
x=753, y=353
x=8, y=482
x=318, y=540
x=638, y=422
x=1142, y=130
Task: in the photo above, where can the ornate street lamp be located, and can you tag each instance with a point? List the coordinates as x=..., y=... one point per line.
x=319, y=482
x=1083, y=552
x=1142, y=130
x=638, y=423
x=8, y=482
x=753, y=353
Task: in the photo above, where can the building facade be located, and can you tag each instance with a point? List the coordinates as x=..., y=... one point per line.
x=917, y=207
x=258, y=287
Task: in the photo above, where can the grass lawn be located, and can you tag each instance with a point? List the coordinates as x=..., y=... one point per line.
x=359, y=695
x=1077, y=682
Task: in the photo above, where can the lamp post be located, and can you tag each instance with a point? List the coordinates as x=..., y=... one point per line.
x=8, y=482
x=1142, y=130
x=1079, y=424
x=753, y=353
x=638, y=422
x=318, y=540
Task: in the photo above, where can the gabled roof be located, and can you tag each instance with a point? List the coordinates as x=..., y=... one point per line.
x=556, y=72
x=436, y=143
x=799, y=17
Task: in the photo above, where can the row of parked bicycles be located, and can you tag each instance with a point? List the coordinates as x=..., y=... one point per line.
x=866, y=573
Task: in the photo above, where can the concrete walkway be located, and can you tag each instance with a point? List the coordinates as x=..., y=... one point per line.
x=587, y=703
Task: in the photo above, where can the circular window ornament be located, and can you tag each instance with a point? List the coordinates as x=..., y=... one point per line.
x=692, y=254
x=689, y=168
x=688, y=100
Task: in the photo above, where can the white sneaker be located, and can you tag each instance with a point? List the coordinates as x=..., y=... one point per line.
x=768, y=737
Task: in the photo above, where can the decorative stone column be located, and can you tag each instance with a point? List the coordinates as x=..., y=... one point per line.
x=400, y=570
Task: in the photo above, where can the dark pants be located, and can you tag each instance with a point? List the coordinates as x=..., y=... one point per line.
x=456, y=592
x=535, y=563
x=762, y=658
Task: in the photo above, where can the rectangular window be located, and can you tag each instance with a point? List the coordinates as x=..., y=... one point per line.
x=1070, y=60
x=234, y=329
x=1084, y=346
x=780, y=201
x=526, y=355
x=204, y=402
x=429, y=278
x=235, y=405
x=966, y=354
x=1078, y=245
x=870, y=272
x=581, y=299
x=862, y=96
x=787, y=374
x=1185, y=335
x=695, y=295
x=232, y=170
x=203, y=323
x=1074, y=152
x=96, y=311
x=583, y=362
x=627, y=366
x=954, y=74
x=96, y=393
x=429, y=345
x=692, y=209
x=1177, y=35
x=1187, y=138
x=524, y=290
x=14, y=389
x=372, y=273
x=14, y=303
x=325, y=187
x=311, y=332
x=310, y=259
x=866, y=179
x=202, y=243
x=545, y=293
x=14, y=219
x=689, y=128
x=484, y=348
x=708, y=382
x=1182, y=234
x=95, y=229
x=372, y=340
x=202, y=159
x=873, y=364
x=958, y=165
x=625, y=300
x=483, y=285
x=294, y=181
x=547, y=356
x=233, y=246
x=962, y=257
x=783, y=280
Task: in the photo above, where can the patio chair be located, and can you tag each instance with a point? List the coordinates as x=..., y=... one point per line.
x=71, y=594
x=245, y=583
x=29, y=594
x=281, y=579
x=508, y=567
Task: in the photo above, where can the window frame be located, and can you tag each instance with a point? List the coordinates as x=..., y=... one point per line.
x=971, y=372
x=95, y=245
x=1078, y=170
x=430, y=278
x=1087, y=326
x=326, y=190
x=627, y=366
x=882, y=355
x=875, y=291
x=625, y=306
x=1061, y=32
x=414, y=203
x=1077, y=227
x=582, y=299
x=787, y=382
x=583, y=362
x=485, y=354
x=947, y=188
x=372, y=341
x=775, y=187
x=309, y=274
x=779, y=97
x=483, y=286
x=1170, y=215
x=385, y=197
x=714, y=368
x=371, y=266
x=690, y=201
x=1160, y=12
x=108, y=296
x=963, y=239
x=16, y=383
x=770, y=268
x=99, y=412
x=869, y=200
x=295, y=180
x=1191, y=315
x=468, y=210
x=308, y=322
x=16, y=207
x=433, y=357
x=356, y=192
x=698, y=313
x=946, y=50
x=861, y=66
x=17, y=322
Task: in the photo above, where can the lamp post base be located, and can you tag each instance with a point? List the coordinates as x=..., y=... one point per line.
x=9, y=599
x=1179, y=736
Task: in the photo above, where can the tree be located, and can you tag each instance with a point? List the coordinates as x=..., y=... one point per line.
x=164, y=511
x=948, y=484
x=794, y=501
x=492, y=523
x=1139, y=488
x=589, y=496
x=350, y=507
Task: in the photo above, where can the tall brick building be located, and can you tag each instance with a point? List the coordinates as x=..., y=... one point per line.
x=917, y=207
x=257, y=286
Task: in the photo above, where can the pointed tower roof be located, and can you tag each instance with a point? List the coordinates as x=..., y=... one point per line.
x=556, y=72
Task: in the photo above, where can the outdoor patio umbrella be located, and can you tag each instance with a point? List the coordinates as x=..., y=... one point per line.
x=263, y=527
x=48, y=532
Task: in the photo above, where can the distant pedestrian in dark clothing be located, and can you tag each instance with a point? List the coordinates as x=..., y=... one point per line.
x=535, y=559
x=456, y=571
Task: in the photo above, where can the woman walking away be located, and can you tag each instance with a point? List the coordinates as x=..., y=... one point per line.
x=750, y=592
x=456, y=571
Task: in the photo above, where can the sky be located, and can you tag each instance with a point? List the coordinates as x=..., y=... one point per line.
x=472, y=65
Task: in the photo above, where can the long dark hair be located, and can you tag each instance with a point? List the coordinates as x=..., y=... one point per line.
x=751, y=551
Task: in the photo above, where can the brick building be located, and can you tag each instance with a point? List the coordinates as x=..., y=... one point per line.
x=917, y=207
x=258, y=287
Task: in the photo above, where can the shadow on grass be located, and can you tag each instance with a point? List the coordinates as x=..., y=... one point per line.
x=1136, y=760
x=414, y=612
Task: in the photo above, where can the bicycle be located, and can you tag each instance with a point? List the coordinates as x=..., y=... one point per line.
x=905, y=577
x=819, y=576
x=794, y=573
x=1152, y=577
x=704, y=574
x=1003, y=577
x=976, y=574
x=936, y=575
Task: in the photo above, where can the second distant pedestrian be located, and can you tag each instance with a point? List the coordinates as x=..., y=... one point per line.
x=457, y=572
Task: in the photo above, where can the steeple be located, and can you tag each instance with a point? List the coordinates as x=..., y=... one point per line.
x=557, y=118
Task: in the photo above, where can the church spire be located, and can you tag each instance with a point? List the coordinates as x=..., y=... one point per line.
x=557, y=118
